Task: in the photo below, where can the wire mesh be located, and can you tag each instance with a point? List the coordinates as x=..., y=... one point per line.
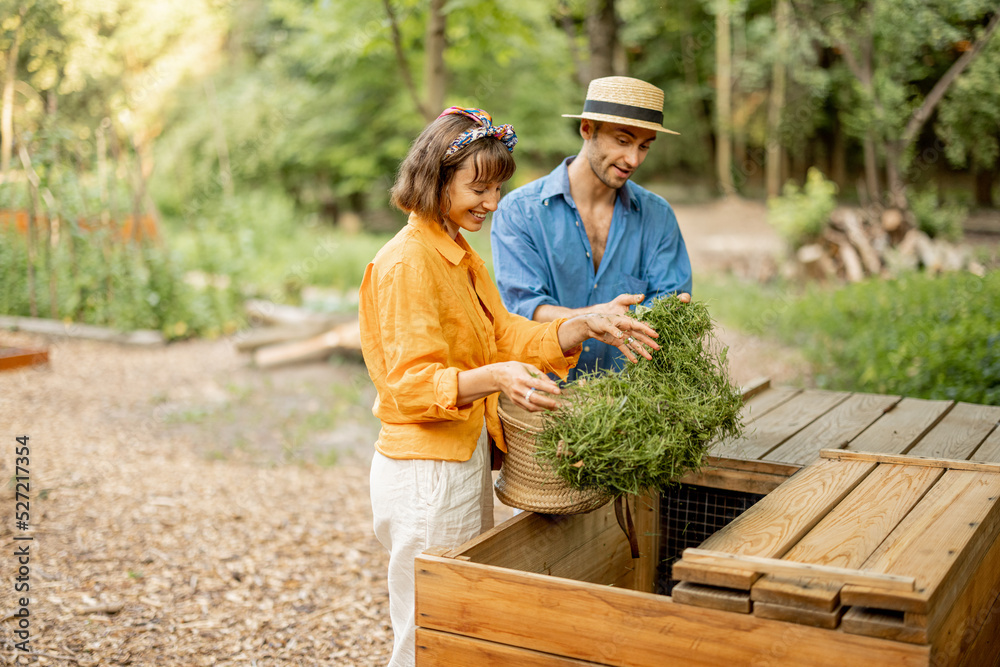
x=691, y=514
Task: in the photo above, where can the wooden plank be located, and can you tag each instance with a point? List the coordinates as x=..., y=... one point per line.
x=344, y=337
x=959, y=434
x=712, y=597
x=646, y=516
x=757, y=405
x=813, y=617
x=878, y=580
x=834, y=429
x=778, y=425
x=990, y=449
x=760, y=404
x=15, y=357
x=848, y=535
x=974, y=612
x=754, y=387
x=586, y=547
x=753, y=465
x=897, y=430
x=951, y=464
x=881, y=623
x=443, y=649
x=940, y=542
x=777, y=522
x=734, y=480
x=532, y=542
x=985, y=649
x=59, y=328
x=622, y=627
x=248, y=340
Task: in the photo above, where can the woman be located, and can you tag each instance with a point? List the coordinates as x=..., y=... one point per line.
x=439, y=346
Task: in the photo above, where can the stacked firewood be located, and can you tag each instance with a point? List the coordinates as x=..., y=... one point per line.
x=858, y=243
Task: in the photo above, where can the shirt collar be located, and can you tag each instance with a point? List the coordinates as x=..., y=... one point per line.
x=557, y=183
x=453, y=250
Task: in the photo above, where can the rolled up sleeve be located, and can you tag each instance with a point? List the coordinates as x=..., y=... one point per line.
x=403, y=343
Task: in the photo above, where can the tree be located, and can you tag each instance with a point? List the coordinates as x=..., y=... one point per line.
x=893, y=48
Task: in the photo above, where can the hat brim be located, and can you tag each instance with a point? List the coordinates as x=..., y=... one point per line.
x=621, y=120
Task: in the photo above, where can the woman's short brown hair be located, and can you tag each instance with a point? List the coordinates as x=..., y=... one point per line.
x=422, y=181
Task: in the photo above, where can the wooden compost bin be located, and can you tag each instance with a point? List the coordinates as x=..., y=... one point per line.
x=563, y=590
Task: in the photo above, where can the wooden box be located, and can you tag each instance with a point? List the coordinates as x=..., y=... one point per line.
x=547, y=591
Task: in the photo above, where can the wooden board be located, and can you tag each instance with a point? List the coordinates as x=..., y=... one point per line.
x=712, y=597
x=777, y=522
x=813, y=617
x=974, y=612
x=959, y=434
x=75, y=330
x=599, y=551
x=621, y=627
x=14, y=357
x=443, y=649
x=939, y=543
x=990, y=449
x=722, y=476
x=848, y=535
x=835, y=429
x=778, y=425
x=897, y=430
x=761, y=403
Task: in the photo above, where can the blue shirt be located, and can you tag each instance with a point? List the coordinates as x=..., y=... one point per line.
x=541, y=254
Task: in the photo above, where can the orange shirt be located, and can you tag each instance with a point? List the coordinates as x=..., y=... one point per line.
x=428, y=310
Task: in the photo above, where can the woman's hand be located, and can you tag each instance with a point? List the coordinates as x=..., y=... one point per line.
x=626, y=333
x=527, y=386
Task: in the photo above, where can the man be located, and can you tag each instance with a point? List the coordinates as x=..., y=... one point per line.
x=585, y=239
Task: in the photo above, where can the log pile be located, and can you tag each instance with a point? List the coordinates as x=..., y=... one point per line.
x=289, y=335
x=859, y=243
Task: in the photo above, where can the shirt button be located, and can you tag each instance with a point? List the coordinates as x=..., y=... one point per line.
x=545, y=203
x=588, y=254
x=595, y=285
x=586, y=349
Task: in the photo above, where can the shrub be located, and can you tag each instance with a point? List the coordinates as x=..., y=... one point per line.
x=935, y=219
x=800, y=215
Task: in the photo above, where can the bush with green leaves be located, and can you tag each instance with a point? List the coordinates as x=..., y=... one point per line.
x=93, y=279
x=937, y=219
x=801, y=214
x=919, y=335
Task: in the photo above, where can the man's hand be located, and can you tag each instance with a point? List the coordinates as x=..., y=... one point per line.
x=619, y=305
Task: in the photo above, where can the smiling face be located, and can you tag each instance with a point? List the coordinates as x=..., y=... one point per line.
x=615, y=151
x=471, y=199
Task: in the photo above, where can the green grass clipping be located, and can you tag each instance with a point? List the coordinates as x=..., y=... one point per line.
x=646, y=426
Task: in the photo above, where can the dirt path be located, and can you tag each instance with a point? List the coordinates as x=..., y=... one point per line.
x=154, y=547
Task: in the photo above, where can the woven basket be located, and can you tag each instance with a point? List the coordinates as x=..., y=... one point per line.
x=525, y=484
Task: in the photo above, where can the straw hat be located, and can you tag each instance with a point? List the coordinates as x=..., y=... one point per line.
x=623, y=100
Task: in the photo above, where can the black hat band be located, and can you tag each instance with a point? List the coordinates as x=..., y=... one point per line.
x=623, y=111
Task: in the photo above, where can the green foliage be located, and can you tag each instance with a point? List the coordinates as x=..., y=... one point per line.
x=646, y=426
x=919, y=335
x=935, y=219
x=916, y=336
x=800, y=215
x=99, y=280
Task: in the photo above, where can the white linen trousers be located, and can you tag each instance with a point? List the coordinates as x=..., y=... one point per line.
x=423, y=503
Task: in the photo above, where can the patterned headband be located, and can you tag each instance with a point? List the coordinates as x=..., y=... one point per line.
x=505, y=133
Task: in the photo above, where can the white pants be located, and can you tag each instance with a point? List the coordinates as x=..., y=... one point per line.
x=420, y=503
